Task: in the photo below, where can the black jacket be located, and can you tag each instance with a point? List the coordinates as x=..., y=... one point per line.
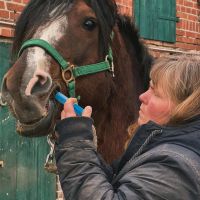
x=161, y=163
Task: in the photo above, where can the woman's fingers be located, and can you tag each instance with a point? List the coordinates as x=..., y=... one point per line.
x=87, y=112
x=63, y=114
x=68, y=110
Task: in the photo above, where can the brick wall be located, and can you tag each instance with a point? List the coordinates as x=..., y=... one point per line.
x=125, y=6
x=9, y=11
x=188, y=29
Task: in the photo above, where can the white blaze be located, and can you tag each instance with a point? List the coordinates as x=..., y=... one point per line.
x=37, y=60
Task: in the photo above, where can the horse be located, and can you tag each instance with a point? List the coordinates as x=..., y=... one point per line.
x=57, y=39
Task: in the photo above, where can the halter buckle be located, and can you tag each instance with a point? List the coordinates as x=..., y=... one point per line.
x=67, y=74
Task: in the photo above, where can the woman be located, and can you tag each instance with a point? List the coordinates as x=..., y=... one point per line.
x=162, y=160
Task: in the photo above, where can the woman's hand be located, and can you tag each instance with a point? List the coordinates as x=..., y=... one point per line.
x=68, y=110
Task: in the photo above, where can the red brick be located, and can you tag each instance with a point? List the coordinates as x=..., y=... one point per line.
x=197, y=27
x=188, y=4
x=194, y=11
x=178, y=8
x=185, y=46
x=179, y=2
x=183, y=9
x=188, y=10
x=6, y=32
x=14, y=16
x=191, y=34
x=182, y=24
x=12, y=32
x=198, y=47
x=119, y=2
x=182, y=15
x=15, y=7
x=2, y=5
x=192, y=17
x=197, y=41
x=185, y=39
x=17, y=1
x=25, y=1
x=4, y=14
x=180, y=32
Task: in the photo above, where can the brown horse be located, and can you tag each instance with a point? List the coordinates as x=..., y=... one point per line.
x=83, y=32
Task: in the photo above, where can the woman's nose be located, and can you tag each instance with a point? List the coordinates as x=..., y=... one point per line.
x=144, y=97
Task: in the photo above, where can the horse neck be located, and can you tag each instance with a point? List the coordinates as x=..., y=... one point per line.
x=122, y=105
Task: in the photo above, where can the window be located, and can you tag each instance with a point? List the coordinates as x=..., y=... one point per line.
x=156, y=19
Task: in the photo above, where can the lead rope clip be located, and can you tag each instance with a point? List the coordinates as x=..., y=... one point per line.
x=50, y=165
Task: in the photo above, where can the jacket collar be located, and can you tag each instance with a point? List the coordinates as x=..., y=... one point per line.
x=186, y=135
x=186, y=126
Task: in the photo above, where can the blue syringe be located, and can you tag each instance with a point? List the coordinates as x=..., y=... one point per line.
x=61, y=98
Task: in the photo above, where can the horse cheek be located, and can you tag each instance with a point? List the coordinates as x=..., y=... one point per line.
x=94, y=90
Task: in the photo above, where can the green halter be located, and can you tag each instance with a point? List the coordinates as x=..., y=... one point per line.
x=75, y=71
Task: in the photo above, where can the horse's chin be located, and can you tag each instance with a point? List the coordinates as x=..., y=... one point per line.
x=42, y=127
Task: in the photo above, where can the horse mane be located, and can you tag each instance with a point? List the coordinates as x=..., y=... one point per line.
x=131, y=37
x=37, y=13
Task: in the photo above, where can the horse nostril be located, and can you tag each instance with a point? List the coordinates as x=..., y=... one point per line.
x=42, y=79
x=42, y=85
x=39, y=84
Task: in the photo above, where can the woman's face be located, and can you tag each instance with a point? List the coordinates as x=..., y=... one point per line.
x=155, y=106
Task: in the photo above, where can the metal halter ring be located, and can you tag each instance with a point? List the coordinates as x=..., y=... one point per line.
x=107, y=59
x=2, y=102
x=70, y=71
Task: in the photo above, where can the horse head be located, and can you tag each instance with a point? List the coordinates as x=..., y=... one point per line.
x=77, y=34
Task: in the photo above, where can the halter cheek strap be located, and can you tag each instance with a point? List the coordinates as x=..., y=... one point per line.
x=74, y=71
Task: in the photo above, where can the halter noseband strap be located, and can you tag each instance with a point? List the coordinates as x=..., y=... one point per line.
x=67, y=67
x=45, y=45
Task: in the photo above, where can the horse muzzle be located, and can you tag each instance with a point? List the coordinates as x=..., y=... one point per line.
x=35, y=117
x=39, y=128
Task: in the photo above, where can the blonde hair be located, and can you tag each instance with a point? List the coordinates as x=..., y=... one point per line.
x=179, y=77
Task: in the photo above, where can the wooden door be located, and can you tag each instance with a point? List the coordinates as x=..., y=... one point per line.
x=22, y=174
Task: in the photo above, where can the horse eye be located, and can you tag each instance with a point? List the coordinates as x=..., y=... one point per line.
x=89, y=24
